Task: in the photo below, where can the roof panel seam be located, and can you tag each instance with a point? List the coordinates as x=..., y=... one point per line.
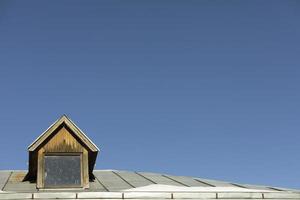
x=277, y=189
x=204, y=182
x=101, y=184
x=123, y=179
x=145, y=177
x=175, y=180
x=6, y=181
x=238, y=185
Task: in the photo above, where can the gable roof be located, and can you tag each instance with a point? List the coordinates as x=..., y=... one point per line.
x=76, y=130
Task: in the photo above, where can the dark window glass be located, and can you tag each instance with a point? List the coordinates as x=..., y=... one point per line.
x=62, y=171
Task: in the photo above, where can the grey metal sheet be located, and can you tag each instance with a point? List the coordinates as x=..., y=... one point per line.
x=96, y=186
x=16, y=183
x=159, y=179
x=4, y=175
x=20, y=187
x=216, y=183
x=282, y=189
x=187, y=181
x=111, y=181
x=121, y=180
x=259, y=187
x=134, y=179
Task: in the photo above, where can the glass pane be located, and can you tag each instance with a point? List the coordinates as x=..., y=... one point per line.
x=62, y=171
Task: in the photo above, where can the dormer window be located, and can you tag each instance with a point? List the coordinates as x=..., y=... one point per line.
x=62, y=157
x=63, y=170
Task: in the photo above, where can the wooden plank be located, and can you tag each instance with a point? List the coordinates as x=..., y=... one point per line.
x=63, y=141
x=40, y=173
x=85, y=169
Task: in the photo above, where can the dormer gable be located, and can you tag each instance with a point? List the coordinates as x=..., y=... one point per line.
x=62, y=157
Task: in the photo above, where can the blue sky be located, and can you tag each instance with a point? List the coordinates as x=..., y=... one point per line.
x=198, y=88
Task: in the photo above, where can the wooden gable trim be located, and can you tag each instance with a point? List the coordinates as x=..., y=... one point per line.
x=64, y=119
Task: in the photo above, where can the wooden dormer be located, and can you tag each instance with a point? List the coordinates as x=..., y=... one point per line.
x=62, y=157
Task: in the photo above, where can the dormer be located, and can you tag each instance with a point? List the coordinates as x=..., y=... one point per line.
x=62, y=157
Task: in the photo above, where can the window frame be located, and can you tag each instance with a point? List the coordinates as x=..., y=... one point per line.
x=62, y=154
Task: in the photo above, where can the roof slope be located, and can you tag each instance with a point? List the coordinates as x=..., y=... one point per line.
x=125, y=184
x=63, y=120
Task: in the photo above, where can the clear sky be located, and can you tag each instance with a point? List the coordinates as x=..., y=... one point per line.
x=208, y=89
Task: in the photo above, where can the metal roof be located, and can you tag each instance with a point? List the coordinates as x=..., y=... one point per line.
x=142, y=185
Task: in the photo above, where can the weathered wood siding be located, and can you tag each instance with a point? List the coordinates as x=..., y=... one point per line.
x=63, y=142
